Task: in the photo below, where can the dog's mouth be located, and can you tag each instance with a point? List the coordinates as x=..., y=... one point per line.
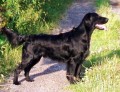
x=101, y=26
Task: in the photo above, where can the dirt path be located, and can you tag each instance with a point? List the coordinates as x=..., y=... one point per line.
x=115, y=4
x=50, y=76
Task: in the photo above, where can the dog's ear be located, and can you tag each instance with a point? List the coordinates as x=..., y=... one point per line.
x=88, y=19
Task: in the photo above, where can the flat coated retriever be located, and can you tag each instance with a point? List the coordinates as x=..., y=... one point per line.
x=71, y=47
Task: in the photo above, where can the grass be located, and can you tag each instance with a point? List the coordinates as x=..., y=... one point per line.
x=101, y=78
x=28, y=17
x=8, y=60
x=102, y=67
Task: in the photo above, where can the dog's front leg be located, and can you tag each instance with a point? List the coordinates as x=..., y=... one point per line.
x=77, y=71
x=70, y=71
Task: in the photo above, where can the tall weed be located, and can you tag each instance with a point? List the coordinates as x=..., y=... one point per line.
x=27, y=17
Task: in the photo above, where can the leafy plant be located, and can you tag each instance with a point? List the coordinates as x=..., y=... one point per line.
x=27, y=17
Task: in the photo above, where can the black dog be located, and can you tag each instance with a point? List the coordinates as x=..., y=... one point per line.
x=70, y=47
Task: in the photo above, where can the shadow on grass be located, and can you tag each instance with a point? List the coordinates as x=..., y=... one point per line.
x=97, y=58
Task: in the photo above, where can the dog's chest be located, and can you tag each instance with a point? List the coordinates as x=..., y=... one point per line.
x=81, y=49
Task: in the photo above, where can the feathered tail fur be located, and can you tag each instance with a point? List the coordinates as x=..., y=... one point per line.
x=13, y=38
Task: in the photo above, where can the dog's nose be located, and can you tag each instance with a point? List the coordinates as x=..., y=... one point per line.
x=106, y=19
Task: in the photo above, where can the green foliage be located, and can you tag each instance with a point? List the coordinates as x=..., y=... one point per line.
x=33, y=16
x=102, y=3
x=1, y=40
x=8, y=59
x=27, y=17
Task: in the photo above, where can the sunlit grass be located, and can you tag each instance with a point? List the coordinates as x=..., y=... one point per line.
x=8, y=60
x=102, y=77
x=102, y=67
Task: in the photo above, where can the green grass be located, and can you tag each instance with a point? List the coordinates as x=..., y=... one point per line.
x=102, y=67
x=103, y=77
x=28, y=17
x=8, y=60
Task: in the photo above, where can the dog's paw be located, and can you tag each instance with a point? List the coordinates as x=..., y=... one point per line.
x=77, y=79
x=16, y=83
x=71, y=79
x=29, y=80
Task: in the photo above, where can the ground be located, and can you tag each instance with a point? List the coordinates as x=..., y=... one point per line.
x=48, y=75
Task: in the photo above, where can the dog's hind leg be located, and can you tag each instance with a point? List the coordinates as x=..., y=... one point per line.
x=28, y=68
x=26, y=57
x=17, y=72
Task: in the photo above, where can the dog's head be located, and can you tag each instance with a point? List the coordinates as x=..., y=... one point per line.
x=93, y=20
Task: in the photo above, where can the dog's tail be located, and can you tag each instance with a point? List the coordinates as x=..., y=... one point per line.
x=13, y=38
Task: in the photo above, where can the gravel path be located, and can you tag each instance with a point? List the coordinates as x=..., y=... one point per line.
x=50, y=76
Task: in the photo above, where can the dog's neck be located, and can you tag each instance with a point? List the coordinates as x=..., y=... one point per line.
x=86, y=32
